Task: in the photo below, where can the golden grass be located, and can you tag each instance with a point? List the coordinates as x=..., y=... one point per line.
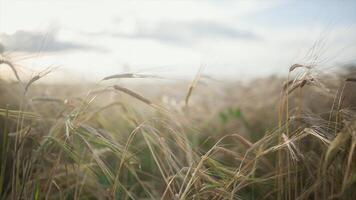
x=56, y=144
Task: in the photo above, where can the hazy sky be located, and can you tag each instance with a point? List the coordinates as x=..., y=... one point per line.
x=92, y=39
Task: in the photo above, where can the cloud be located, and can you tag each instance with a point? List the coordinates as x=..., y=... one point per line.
x=27, y=41
x=182, y=33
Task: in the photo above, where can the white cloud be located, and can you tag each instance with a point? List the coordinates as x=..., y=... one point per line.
x=26, y=41
x=178, y=32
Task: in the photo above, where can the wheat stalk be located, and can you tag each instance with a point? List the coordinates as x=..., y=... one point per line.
x=133, y=94
x=130, y=75
x=9, y=63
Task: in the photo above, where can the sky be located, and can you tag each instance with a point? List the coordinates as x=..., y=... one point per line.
x=90, y=39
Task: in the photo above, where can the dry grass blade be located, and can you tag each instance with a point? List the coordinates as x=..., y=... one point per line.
x=348, y=172
x=32, y=80
x=250, y=145
x=289, y=144
x=48, y=99
x=334, y=148
x=295, y=66
x=193, y=85
x=287, y=84
x=233, y=154
x=318, y=135
x=8, y=63
x=243, y=140
x=299, y=84
x=350, y=80
x=130, y=75
x=36, y=78
x=133, y=94
x=303, y=83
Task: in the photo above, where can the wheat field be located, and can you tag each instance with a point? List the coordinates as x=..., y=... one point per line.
x=271, y=138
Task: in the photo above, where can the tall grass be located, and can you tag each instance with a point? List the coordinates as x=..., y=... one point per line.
x=115, y=143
